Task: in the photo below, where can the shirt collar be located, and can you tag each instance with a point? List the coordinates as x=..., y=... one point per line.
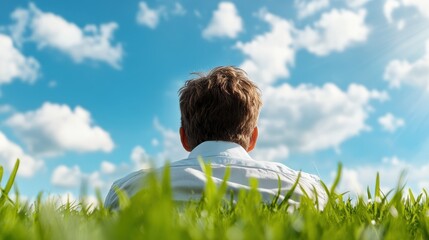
x=219, y=148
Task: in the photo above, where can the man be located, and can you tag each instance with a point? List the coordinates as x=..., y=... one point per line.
x=219, y=114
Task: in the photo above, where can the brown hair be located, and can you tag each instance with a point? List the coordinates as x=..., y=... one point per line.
x=223, y=105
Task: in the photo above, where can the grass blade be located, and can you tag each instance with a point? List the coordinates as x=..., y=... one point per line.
x=1, y=174
x=337, y=178
x=9, y=183
x=291, y=191
x=276, y=197
x=11, y=179
x=377, y=186
x=368, y=192
x=124, y=200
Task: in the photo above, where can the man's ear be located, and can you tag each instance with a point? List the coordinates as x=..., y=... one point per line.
x=253, y=139
x=184, y=139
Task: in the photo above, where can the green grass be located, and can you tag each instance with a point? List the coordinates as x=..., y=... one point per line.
x=152, y=214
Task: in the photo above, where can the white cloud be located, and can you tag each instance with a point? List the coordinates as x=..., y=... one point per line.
x=10, y=151
x=149, y=17
x=416, y=73
x=54, y=128
x=14, y=65
x=307, y=118
x=350, y=181
x=94, y=180
x=356, y=3
x=226, y=22
x=107, y=167
x=422, y=6
x=309, y=7
x=140, y=158
x=172, y=148
x=5, y=108
x=66, y=177
x=73, y=177
x=356, y=179
x=334, y=32
x=269, y=55
x=390, y=123
x=21, y=17
x=389, y=7
x=270, y=153
x=49, y=30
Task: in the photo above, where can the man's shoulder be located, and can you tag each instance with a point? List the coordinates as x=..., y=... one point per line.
x=128, y=184
x=281, y=168
x=128, y=179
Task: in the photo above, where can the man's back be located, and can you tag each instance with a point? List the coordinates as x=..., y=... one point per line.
x=219, y=116
x=188, y=180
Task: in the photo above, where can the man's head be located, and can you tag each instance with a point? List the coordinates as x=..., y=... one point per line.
x=221, y=106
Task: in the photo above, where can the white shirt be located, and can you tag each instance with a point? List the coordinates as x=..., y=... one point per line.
x=188, y=179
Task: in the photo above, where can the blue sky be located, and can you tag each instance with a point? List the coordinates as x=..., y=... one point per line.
x=89, y=90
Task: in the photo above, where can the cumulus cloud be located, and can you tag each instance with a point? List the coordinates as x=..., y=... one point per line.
x=151, y=17
x=309, y=7
x=225, y=23
x=422, y=6
x=415, y=74
x=269, y=55
x=73, y=177
x=21, y=18
x=334, y=32
x=66, y=177
x=307, y=118
x=140, y=158
x=169, y=142
x=147, y=16
x=350, y=181
x=172, y=148
x=10, y=151
x=265, y=152
x=54, y=129
x=14, y=65
x=357, y=179
x=390, y=123
x=49, y=30
x=107, y=167
x=391, y=6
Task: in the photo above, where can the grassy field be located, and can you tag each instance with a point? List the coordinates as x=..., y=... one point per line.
x=153, y=215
